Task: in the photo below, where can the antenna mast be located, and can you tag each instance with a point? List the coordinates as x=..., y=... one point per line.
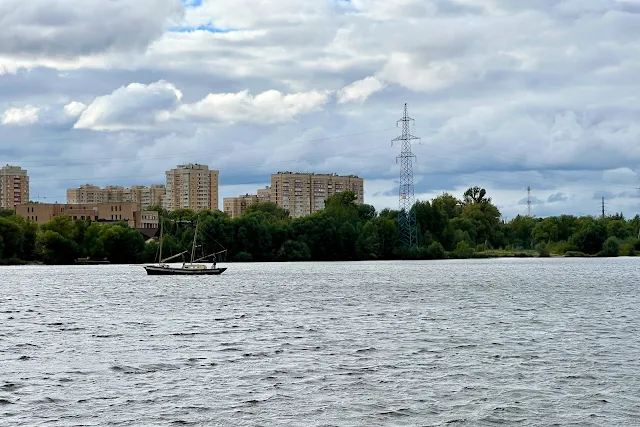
x=407, y=224
x=528, y=200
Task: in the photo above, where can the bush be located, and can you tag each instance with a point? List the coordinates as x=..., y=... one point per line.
x=575, y=254
x=627, y=249
x=610, y=248
x=562, y=247
x=243, y=257
x=12, y=261
x=436, y=251
x=482, y=247
x=484, y=254
x=522, y=255
x=463, y=251
x=543, y=250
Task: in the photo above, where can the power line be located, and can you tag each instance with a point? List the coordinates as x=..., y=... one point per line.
x=362, y=171
x=107, y=160
x=224, y=169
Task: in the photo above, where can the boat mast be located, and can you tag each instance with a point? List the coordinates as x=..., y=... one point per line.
x=160, y=257
x=193, y=247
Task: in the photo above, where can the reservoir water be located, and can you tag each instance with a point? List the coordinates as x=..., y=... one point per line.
x=531, y=342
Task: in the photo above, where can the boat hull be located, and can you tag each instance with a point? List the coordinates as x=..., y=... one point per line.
x=153, y=270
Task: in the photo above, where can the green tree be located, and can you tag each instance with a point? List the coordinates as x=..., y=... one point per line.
x=519, y=231
x=342, y=205
x=54, y=248
x=121, y=244
x=368, y=242
x=63, y=225
x=475, y=195
x=268, y=208
x=13, y=237
x=611, y=247
x=293, y=250
x=590, y=236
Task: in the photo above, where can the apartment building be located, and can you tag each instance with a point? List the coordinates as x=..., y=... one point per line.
x=14, y=187
x=191, y=186
x=91, y=194
x=264, y=194
x=236, y=206
x=147, y=196
x=86, y=194
x=305, y=193
x=98, y=212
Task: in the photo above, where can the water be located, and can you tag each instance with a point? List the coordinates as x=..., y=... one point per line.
x=458, y=343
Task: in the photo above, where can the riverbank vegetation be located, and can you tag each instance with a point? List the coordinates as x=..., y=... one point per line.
x=470, y=227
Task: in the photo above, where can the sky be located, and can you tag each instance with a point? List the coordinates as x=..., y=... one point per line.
x=505, y=94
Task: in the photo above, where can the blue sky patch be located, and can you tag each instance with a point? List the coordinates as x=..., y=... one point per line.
x=192, y=3
x=210, y=27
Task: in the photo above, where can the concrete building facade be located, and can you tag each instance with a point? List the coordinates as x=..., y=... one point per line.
x=305, y=193
x=236, y=206
x=91, y=194
x=191, y=186
x=14, y=187
x=130, y=212
x=264, y=195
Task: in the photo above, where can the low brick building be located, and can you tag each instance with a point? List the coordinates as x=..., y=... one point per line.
x=98, y=212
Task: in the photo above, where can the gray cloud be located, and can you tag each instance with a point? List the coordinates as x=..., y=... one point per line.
x=534, y=201
x=552, y=105
x=558, y=197
x=69, y=28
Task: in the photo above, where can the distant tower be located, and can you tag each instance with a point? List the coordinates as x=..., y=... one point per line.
x=407, y=224
x=529, y=201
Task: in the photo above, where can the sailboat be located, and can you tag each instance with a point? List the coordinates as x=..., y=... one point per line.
x=186, y=269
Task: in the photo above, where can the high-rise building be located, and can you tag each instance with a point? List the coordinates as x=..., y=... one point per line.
x=305, y=193
x=191, y=186
x=236, y=206
x=264, y=194
x=14, y=187
x=91, y=194
x=148, y=196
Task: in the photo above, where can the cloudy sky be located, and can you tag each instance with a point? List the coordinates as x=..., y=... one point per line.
x=505, y=94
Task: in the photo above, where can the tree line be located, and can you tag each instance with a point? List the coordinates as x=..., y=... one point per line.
x=448, y=227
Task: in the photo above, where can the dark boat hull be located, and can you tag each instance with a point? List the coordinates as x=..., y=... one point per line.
x=169, y=271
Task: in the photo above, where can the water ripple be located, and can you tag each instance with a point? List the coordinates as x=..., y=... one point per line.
x=522, y=342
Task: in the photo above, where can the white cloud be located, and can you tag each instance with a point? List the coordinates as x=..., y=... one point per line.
x=361, y=90
x=148, y=107
x=267, y=107
x=21, y=116
x=74, y=109
x=134, y=107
